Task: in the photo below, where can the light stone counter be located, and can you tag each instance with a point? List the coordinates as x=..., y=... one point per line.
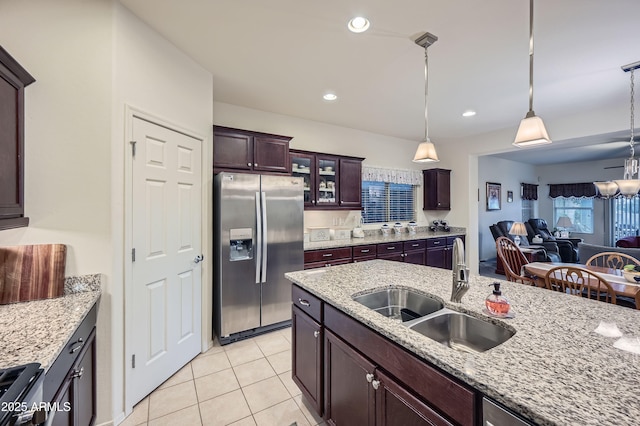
x=375, y=237
x=554, y=371
x=37, y=331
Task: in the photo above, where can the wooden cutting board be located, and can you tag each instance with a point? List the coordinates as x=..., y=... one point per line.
x=31, y=272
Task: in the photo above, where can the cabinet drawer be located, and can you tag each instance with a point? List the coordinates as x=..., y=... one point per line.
x=414, y=245
x=450, y=240
x=386, y=248
x=437, y=242
x=327, y=254
x=307, y=302
x=61, y=366
x=365, y=251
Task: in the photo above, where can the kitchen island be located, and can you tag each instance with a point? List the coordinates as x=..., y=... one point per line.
x=555, y=370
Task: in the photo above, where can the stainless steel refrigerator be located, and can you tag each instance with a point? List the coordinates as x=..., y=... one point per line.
x=258, y=236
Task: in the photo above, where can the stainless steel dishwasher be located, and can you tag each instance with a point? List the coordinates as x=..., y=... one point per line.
x=495, y=415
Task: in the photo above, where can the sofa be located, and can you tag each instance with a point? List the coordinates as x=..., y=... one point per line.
x=567, y=247
x=585, y=250
x=629, y=242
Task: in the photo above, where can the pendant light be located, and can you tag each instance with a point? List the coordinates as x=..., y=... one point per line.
x=628, y=186
x=531, y=131
x=426, y=152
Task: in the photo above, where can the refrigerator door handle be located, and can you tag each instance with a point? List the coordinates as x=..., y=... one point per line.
x=264, y=237
x=258, y=237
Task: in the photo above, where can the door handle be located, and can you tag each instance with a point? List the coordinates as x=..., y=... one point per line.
x=198, y=259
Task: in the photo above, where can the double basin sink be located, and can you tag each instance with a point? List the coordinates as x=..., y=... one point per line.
x=428, y=316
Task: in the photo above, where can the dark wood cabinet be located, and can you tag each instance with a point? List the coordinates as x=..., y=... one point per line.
x=330, y=181
x=440, y=251
x=236, y=149
x=327, y=257
x=307, y=365
x=350, y=184
x=13, y=79
x=350, y=396
x=408, y=251
x=437, y=189
x=71, y=380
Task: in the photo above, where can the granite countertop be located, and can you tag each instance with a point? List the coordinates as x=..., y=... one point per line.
x=554, y=371
x=37, y=331
x=376, y=237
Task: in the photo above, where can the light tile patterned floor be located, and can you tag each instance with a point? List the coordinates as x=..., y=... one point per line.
x=246, y=383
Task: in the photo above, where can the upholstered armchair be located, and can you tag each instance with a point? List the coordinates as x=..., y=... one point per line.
x=548, y=250
x=567, y=247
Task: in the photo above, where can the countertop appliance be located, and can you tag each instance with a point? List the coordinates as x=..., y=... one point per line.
x=21, y=395
x=258, y=236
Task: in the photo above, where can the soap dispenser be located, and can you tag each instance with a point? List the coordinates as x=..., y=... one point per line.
x=496, y=303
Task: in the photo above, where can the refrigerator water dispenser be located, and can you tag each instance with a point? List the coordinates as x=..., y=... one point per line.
x=240, y=244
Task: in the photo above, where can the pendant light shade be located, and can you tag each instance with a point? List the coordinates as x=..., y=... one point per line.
x=531, y=131
x=628, y=185
x=426, y=152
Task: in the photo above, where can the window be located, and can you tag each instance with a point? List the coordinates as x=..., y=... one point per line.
x=579, y=210
x=387, y=202
x=626, y=217
x=528, y=212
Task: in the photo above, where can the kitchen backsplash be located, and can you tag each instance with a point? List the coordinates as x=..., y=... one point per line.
x=350, y=218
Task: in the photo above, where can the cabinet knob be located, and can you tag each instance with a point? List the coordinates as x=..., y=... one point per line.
x=249, y=164
x=341, y=202
x=255, y=164
x=316, y=334
x=369, y=377
x=375, y=384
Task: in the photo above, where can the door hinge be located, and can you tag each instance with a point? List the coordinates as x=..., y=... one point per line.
x=133, y=361
x=133, y=255
x=133, y=148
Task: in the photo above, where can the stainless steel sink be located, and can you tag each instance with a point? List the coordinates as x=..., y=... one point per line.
x=400, y=303
x=462, y=332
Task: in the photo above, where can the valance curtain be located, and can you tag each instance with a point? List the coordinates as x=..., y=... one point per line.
x=529, y=191
x=578, y=190
x=378, y=174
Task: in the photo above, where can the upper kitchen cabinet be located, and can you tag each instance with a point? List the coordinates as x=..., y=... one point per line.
x=330, y=181
x=13, y=80
x=437, y=187
x=235, y=149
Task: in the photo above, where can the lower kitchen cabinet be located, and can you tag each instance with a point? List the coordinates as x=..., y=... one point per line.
x=327, y=257
x=439, y=251
x=350, y=396
x=307, y=364
x=71, y=380
x=363, y=378
x=408, y=251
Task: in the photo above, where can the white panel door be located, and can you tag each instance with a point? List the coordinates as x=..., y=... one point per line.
x=166, y=273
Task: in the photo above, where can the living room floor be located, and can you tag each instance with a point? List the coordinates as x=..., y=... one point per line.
x=487, y=268
x=242, y=383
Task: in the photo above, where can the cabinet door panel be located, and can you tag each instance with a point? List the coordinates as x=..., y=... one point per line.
x=397, y=407
x=350, y=187
x=307, y=357
x=304, y=166
x=437, y=183
x=232, y=150
x=349, y=397
x=271, y=154
x=417, y=257
x=84, y=384
x=436, y=257
x=327, y=186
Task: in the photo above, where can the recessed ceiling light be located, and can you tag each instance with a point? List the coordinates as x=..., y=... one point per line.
x=468, y=113
x=358, y=24
x=330, y=97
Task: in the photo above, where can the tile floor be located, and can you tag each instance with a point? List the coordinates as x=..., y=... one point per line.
x=243, y=383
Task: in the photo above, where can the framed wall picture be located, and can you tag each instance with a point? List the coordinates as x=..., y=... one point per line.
x=494, y=191
x=509, y=196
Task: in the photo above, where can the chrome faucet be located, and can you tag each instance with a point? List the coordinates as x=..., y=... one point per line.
x=460, y=283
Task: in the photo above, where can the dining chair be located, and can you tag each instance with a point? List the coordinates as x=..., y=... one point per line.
x=580, y=282
x=612, y=259
x=513, y=261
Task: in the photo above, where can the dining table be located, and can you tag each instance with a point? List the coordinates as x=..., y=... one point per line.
x=614, y=277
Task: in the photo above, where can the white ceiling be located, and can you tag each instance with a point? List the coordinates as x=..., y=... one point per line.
x=283, y=55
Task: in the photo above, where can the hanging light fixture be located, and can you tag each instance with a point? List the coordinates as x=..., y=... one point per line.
x=531, y=131
x=426, y=152
x=628, y=186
